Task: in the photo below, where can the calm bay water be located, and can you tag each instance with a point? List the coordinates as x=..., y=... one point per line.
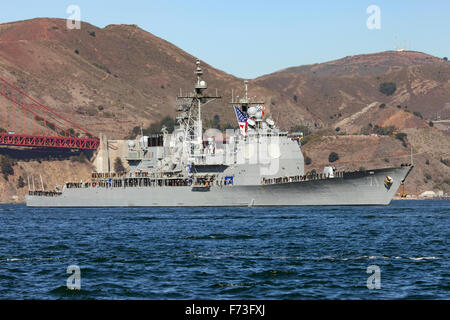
x=227, y=253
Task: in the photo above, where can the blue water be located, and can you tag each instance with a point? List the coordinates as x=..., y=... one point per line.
x=227, y=253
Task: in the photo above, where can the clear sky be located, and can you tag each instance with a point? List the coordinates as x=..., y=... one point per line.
x=249, y=38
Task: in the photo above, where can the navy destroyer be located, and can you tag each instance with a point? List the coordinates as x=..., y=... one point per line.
x=255, y=165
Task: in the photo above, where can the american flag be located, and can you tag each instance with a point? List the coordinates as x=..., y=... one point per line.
x=242, y=120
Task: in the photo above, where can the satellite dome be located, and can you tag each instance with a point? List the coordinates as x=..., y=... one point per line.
x=131, y=144
x=251, y=111
x=251, y=122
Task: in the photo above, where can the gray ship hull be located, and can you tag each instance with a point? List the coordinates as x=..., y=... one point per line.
x=355, y=188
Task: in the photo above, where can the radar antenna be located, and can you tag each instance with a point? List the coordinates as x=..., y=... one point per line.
x=245, y=102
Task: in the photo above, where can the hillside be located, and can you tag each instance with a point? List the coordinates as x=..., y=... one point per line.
x=114, y=78
x=125, y=75
x=336, y=90
x=54, y=172
x=109, y=79
x=365, y=64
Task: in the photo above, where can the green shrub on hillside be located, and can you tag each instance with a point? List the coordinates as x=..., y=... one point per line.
x=379, y=130
x=118, y=165
x=309, y=138
x=79, y=158
x=401, y=136
x=418, y=114
x=167, y=121
x=388, y=88
x=102, y=67
x=216, y=121
x=333, y=156
x=20, y=183
x=6, y=166
x=308, y=160
x=446, y=162
x=383, y=131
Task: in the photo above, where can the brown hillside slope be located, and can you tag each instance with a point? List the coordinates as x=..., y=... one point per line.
x=334, y=90
x=124, y=75
x=365, y=64
x=110, y=79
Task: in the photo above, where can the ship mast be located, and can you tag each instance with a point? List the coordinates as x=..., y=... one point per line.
x=245, y=102
x=190, y=117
